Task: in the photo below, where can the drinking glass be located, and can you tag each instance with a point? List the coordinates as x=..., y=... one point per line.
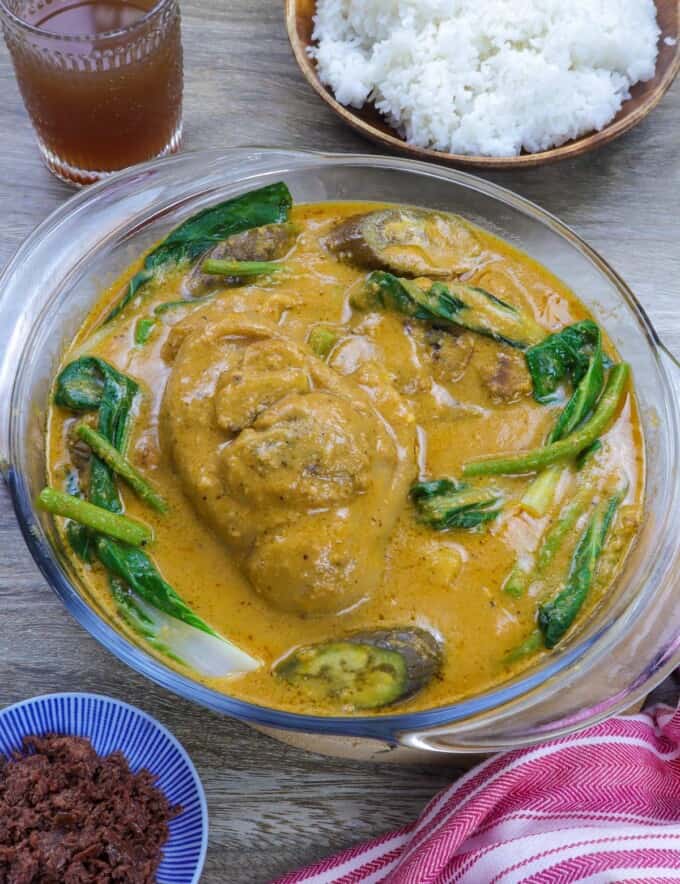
x=101, y=80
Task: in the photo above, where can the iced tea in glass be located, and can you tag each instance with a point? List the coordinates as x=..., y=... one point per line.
x=101, y=80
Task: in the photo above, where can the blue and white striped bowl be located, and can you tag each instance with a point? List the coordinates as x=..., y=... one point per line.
x=112, y=725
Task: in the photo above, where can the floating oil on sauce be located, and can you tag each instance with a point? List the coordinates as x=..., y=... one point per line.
x=102, y=82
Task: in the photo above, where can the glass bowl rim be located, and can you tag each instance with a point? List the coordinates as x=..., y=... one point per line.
x=383, y=725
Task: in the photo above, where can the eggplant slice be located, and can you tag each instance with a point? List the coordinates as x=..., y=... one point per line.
x=364, y=670
x=407, y=242
x=266, y=243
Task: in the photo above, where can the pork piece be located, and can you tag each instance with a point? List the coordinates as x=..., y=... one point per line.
x=266, y=243
x=267, y=304
x=450, y=353
x=300, y=471
x=79, y=451
x=507, y=377
x=407, y=242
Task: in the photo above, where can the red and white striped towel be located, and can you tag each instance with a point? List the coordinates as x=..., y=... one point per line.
x=602, y=805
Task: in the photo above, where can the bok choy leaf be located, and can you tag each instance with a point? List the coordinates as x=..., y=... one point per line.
x=458, y=304
x=444, y=503
x=555, y=617
x=146, y=602
x=563, y=449
x=565, y=355
x=186, y=243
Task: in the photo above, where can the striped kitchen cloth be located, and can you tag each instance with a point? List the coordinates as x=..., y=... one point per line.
x=601, y=805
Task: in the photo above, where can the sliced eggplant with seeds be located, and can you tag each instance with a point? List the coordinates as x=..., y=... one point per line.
x=364, y=670
x=408, y=242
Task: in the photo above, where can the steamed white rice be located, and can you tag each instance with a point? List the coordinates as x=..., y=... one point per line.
x=487, y=77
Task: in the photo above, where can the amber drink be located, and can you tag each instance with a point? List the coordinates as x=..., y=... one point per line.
x=101, y=80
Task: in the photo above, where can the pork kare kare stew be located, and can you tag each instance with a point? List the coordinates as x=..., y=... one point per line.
x=343, y=457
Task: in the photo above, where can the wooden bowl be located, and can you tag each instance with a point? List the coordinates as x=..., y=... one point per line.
x=368, y=122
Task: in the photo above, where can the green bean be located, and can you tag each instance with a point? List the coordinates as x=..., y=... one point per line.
x=183, y=302
x=267, y=205
x=530, y=461
x=120, y=465
x=587, y=454
x=528, y=646
x=569, y=516
x=225, y=267
x=557, y=616
x=95, y=517
x=144, y=329
x=517, y=581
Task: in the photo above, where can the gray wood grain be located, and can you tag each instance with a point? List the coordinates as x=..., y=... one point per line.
x=273, y=807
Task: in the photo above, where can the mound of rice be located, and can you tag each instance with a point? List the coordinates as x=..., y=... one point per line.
x=487, y=77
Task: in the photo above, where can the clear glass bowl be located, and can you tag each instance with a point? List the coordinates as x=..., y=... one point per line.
x=46, y=290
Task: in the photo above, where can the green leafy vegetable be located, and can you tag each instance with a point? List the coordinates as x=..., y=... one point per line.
x=539, y=496
x=144, y=330
x=80, y=386
x=206, y=652
x=540, y=493
x=72, y=483
x=462, y=305
x=267, y=205
x=563, y=526
x=95, y=517
x=138, y=571
x=517, y=581
x=80, y=541
x=225, y=267
x=569, y=447
x=584, y=457
x=114, y=424
x=183, y=302
x=322, y=340
x=565, y=355
x=89, y=384
x=555, y=617
x=155, y=597
x=79, y=537
x=120, y=465
x=137, y=619
x=561, y=352
x=444, y=503
x=583, y=398
x=529, y=646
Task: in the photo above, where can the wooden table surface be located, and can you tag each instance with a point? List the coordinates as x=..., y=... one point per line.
x=271, y=807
